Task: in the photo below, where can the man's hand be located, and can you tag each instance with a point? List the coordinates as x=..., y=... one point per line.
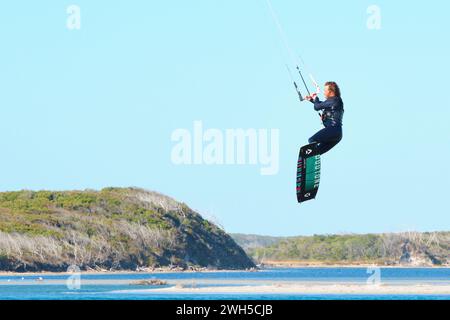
x=311, y=97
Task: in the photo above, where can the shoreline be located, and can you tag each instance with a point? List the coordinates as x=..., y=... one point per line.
x=169, y=271
x=356, y=264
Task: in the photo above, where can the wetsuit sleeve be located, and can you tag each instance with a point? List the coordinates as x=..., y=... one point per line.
x=321, y=105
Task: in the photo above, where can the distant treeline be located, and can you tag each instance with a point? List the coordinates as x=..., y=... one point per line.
x=390, y=248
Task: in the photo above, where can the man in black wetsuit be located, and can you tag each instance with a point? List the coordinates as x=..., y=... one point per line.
x=332, y=113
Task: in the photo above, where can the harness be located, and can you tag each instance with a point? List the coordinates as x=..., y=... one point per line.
x=334, y=116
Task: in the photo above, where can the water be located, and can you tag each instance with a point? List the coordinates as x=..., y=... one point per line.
x=117, y=286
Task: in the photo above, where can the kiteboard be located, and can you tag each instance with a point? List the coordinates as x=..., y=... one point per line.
x=308, y=173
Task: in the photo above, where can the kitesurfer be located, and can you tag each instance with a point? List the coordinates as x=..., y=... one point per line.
x=332, y=113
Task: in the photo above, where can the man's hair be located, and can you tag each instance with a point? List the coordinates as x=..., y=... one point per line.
x=334, y=87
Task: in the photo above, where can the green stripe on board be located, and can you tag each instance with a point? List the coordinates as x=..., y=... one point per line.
x=312, y=164
x=312, y=173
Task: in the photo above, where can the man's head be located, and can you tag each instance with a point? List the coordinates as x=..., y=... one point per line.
x=331, y=90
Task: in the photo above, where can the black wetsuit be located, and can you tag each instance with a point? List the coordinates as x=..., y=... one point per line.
x=332, y=114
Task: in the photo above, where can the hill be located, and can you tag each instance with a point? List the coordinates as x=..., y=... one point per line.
x=113, y=229
x=253, y=241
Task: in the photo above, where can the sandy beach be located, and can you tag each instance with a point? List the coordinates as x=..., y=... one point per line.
x=310, y=288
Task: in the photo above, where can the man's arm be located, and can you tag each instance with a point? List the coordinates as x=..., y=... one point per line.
x=321, y=105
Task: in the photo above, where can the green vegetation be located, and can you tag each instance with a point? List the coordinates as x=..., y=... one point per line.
x=409, y=248
x=113, y=228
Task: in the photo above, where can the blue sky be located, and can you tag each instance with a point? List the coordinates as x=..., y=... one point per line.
x=96, y=107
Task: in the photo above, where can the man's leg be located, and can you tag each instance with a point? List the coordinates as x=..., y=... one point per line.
x=324, y=147
x=326, y=139
x=318, y=137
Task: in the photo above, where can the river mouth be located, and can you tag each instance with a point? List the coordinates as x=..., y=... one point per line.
x=296, y=283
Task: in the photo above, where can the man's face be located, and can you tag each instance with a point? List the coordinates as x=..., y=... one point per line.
x=327, y=92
